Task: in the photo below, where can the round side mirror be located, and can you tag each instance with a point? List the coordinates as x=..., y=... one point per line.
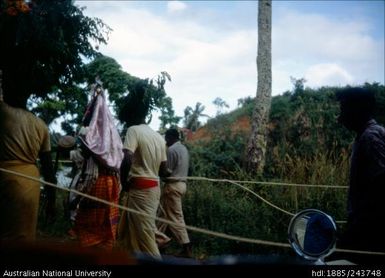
x=312, y=234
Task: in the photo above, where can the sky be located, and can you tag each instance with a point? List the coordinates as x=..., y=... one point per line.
x=210, y=47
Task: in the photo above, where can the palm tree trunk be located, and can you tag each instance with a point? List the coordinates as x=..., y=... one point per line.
x=256, y=148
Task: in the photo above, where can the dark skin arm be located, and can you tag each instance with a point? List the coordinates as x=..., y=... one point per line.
x=164, y=172
x=125, y=168
x=48, y=173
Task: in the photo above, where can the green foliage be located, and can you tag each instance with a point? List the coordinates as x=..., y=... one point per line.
x=227, y=208
x=306, y=146
x=219, y=157
x=167, y=118
x=160, y=101
x=49, y=110
x=42, y=45
x=75, y=105
x=245, y=101
x=69, y=102
x=220, y=104
x=246, y=109
x=114, y=79
x=59, y=228
x=304, y=123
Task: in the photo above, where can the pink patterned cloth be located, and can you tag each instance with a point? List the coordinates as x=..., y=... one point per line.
x=102, y=137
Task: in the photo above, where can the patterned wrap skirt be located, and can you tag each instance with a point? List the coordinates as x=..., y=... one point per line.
x=96, y=223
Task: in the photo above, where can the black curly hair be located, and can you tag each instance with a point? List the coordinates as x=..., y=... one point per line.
x=136, y=105
x=360, y=100
x=172, y=133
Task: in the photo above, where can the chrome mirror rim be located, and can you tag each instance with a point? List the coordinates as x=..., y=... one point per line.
x=300, y=250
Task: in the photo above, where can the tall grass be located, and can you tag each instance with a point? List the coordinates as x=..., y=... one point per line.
x=226, y=208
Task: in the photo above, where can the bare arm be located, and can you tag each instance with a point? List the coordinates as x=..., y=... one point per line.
x=125, y=168
x=48, y=173
x=164, y=172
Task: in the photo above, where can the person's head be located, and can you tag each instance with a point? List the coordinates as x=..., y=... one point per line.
x=171, y=136
x=15, y=100
x=11, y=93
x=12, y=96
x=356, y=107
x=136, y=107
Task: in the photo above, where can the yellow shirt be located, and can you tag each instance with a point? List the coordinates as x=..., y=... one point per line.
x=22, y=135
x=149, y=149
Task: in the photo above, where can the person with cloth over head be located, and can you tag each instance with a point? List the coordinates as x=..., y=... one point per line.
x=101, y=149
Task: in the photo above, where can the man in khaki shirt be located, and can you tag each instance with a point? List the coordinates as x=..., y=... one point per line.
x=23, y=138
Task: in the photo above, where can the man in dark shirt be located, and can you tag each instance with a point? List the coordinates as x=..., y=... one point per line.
x=366, y=207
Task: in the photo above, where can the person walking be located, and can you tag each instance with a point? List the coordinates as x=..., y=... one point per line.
x=144, y=160
x=99, y=158
x=173, y=191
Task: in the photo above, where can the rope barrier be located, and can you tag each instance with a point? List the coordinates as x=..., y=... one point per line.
x=267, y=182
x=253, y=182
x=191, y=228
x=360, y=252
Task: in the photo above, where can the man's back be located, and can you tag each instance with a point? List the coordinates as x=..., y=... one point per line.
x=178, y=160
x=367, y=163
x=22, y=135
x=148, y=148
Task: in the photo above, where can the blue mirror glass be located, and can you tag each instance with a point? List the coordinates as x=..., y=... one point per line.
x=312, y=234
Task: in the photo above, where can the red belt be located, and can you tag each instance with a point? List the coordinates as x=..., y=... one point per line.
x=142, y=183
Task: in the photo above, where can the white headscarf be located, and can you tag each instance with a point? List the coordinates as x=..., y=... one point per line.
x=102, y=137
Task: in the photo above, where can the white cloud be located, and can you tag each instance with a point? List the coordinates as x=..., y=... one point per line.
x=327, y=75
x=175, y=6
x=314, y=35
x=311, y=44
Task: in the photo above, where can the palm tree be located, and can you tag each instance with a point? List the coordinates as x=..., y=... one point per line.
x=191, y=116
x=256, y=148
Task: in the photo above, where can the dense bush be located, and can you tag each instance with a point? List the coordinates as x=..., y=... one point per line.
x=306, y=145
